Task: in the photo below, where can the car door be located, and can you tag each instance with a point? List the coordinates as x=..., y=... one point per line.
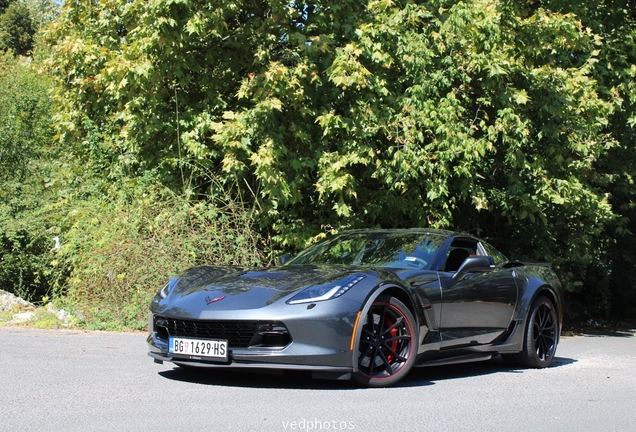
x=425, y=286
x=477, y=309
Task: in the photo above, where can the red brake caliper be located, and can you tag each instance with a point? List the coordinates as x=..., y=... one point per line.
x=393, y=344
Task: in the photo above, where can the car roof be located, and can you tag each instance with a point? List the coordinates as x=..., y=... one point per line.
x=434, y=231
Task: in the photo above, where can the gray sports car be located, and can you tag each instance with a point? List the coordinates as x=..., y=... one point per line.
x=366, y=305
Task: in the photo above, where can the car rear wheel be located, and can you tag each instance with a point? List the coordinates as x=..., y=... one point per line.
x=387, y=343
x=540, y=341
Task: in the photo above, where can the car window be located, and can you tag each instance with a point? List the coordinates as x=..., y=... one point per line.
x=374, y=249
x=459, y=250
x=494, y=253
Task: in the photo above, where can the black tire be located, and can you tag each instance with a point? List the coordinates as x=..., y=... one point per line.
x=540, y=338
x=387, y=345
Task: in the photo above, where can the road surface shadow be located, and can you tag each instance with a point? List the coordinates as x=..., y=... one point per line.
x=254, y=379
x=601, y=332
x=418, y=377
x=434, y=374
x=592, y=328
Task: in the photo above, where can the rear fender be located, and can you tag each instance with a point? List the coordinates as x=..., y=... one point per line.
x=532, y=281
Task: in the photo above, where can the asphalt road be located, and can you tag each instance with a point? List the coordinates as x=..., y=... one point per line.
x=56, y=380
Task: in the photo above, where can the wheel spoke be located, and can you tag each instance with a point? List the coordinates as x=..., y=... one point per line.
x=547, y=349
x=543, y=316
x=397, y=323
x=548, y=337
x=544, y=323
x=382, y=318
x=387, y=365
x=541, y=351
x=403, y=337
x=549, y=326
x=369, y=332
x=396, y=355
x=372, y=360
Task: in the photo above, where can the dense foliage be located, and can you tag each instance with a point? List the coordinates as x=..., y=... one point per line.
x=16, y=27
x=511, y=119
x=118, y=251
x=98, y=246
x=25, y=134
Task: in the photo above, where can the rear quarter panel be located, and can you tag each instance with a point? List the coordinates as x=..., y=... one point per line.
x=534, y=280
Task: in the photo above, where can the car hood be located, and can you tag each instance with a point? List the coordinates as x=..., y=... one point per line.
x=236, y=288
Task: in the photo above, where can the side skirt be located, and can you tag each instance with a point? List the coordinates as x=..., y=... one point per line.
x=468, y=358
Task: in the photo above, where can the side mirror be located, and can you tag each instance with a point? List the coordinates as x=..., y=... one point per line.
x=474, y=264
x=283, y=259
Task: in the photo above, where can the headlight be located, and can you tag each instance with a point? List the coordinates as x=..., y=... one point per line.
x=328, y=291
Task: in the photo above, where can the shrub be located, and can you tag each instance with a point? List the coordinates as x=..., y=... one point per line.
x=118, y=252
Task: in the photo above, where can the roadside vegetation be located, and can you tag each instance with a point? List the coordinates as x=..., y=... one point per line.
x=138, y=139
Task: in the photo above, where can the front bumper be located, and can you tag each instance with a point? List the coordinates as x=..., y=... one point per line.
x=321, y=340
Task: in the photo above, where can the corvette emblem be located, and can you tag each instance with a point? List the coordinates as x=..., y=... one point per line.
x=209, y=300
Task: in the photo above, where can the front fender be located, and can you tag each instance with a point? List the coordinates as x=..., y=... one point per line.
x=380, y=289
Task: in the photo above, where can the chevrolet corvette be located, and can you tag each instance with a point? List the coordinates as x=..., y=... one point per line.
x=365, y=305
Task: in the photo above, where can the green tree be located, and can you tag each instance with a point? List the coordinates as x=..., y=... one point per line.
x=4, y=4
x=25, y=118
x=26, y=160
x=489, y=114
x=17, y=28
x=615, y=72
x=43, y=12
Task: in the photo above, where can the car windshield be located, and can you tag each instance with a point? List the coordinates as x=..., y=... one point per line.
x=407, y=250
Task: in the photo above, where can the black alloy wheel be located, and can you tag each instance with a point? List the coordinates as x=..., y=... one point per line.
x=387, y=344
x=541, y=337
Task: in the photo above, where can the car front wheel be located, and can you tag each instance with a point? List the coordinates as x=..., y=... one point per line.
x=387, y=343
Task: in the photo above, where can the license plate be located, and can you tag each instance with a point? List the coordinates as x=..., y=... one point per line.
x=208, y=348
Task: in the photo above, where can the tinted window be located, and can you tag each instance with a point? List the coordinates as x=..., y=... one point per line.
x=374, y=249
x=459, y=250
x=494, y=253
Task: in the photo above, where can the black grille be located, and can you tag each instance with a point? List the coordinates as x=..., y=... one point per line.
x=239, y=334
